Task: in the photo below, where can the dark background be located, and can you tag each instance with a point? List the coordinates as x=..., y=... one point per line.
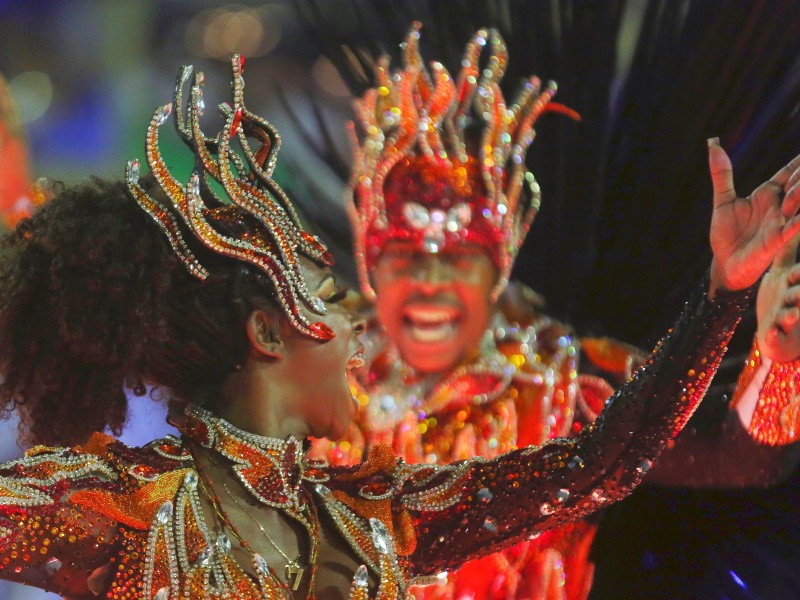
x=622, y=234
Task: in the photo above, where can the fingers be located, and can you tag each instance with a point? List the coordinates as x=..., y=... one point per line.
x=719, y=165
x=787, y=318
x=791, y=297
x=794, y=275
x=773, y=336
x=793, y=178
x=782, y=177
x=790, y=230
x=791, y=201
x=786, y=257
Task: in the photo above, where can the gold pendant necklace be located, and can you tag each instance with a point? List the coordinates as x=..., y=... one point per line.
x=294, y=571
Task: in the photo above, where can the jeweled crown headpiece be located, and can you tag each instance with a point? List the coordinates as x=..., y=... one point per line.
x=257, y=223
x=417, y=175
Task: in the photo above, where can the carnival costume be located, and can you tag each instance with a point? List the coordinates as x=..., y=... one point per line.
x=73, y=520
x=440, y=163
x=776, y=418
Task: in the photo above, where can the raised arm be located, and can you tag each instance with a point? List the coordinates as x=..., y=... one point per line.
x=476, y=507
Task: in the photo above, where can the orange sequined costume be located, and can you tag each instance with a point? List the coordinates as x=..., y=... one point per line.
x=523, y=388
x=440, y=164
x=106, y=520
x=776, y=418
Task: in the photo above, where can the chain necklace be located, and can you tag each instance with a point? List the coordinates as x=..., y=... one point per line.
x=271, y=470
x=293, y=570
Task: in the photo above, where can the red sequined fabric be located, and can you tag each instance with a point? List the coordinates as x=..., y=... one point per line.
x=115, y=522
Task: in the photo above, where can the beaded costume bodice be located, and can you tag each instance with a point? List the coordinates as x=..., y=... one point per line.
x=106, y=520
x=521, y=387
x=521, y=379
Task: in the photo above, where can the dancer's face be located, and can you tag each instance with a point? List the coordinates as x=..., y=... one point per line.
x=434, y=307
x=326, y=405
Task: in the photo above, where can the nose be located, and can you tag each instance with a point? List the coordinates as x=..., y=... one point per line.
x=434, y=270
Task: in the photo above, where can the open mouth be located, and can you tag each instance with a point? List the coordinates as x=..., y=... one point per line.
x=358, y=360
x=431, y=324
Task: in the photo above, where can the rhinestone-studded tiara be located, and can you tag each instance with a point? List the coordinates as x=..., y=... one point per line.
x=255, y=222
x=416, y=113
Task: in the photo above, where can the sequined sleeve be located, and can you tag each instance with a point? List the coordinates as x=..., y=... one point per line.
x=46, y=540
x=476, y=507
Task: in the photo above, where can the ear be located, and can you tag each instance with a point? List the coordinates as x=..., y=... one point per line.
x=264, y=336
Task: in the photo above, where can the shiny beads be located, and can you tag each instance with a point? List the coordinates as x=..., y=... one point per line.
x=434, y=517
x=413, y=115
x=164, y=513
x=776, y=418
x=256, y=222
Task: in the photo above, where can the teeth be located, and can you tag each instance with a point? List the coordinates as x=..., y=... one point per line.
x=429, y=334
x=357, y=360
x=428, y=317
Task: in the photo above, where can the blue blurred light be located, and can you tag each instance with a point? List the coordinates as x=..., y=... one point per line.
x=738, y=580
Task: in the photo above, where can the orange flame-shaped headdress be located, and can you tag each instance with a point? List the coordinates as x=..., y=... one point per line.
x=419, y=176
x=257, y=223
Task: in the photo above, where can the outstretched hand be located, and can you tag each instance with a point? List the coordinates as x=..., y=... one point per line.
x=747, y=233
x=777, y=307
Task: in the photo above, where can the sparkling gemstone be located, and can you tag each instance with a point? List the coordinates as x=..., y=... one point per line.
x=134, y=169
x=237, y=120
x=194, y=185
x=416, y=215
x=162, y=594
x=598, y=495
x=52, y=565
x=324, y=491
x=452, y=225
x=464, y=213
x=318, y=304
x=437, y=216
x=361, y=577
x=433, y=241
x=576, y=462
x=380, y=536
x=562, y=495
x=223, y=543
x=190, y=481
x=241, y=63
x=644, y=466
x=162, y=114
x=490, y=524
x=164, y=512
x=546, y=509
x=262, y=564
x=201, y=103
x=534, y=534
x=204, y=557
x=484, y=495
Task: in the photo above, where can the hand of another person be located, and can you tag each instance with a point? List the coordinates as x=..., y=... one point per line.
x=747, y=233
x=778, y=306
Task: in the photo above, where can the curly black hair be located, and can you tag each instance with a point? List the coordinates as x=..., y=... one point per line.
x=94, y=301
